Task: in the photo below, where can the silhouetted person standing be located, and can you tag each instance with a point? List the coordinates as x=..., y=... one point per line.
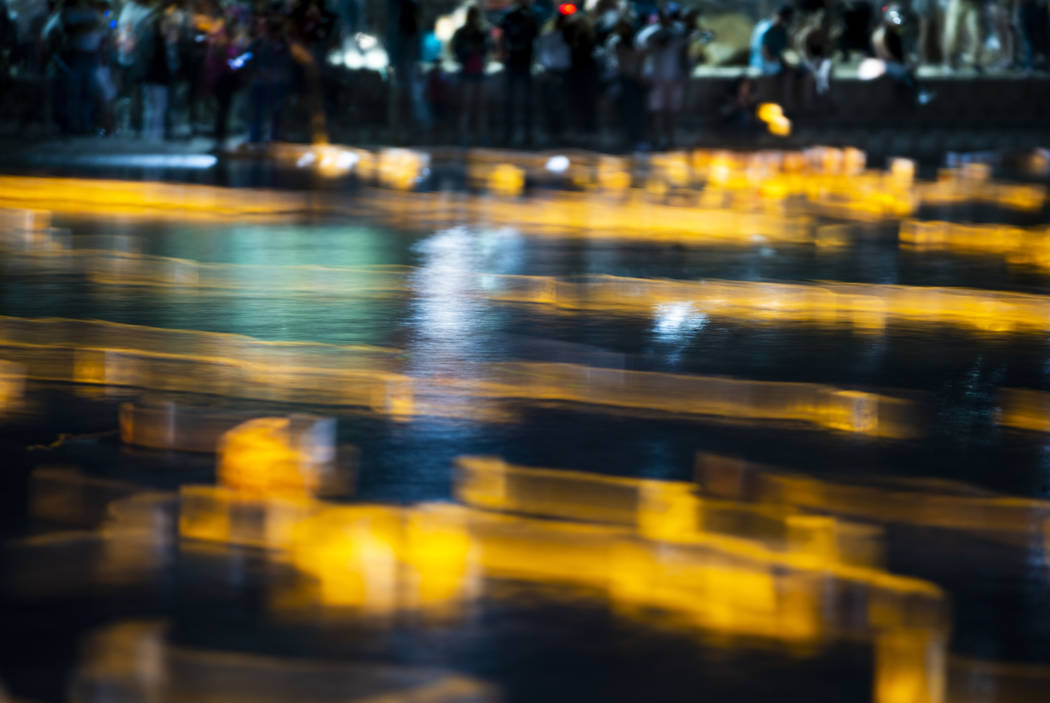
x=665, y=45
x=962, y=18
x=271, y=71
x=470, y=44
x=158, y=76
x=631, y=92
x=81, y=25
x=769, y=40
x=519, y=31
x=555, y=58
x=583, y=72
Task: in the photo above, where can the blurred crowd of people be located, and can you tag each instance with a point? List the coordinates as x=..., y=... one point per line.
x=160, y=58
x=134, y=65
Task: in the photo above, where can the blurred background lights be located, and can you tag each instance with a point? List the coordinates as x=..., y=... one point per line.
x=376, y=59
x=871, y=68
x=773, y=115
x=558, y=164
x=353, y=59
x=366, y=42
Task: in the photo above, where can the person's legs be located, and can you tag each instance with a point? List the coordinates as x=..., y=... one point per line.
x=75, y=96
x=400, y=105
x=275, y=102
x=152, y=111
x=194, y=78
x=559, y=104
x=78, y=82
x=136, y=106
x=806, y=90
x=91, y=92
x=623, y=102
x=163, y=100
x=554, y=95
x=527, y=105
x=464, y=107
x=224, y=98
x=586, y=93
x=621, y=109
x=518, y=100
x=420, y=110
x=952, y=20
x=258, y=99
x=472, y=117
x=656, y=106
x=510, y=86
x=972, y=18
x=1007, y=32
x=1042, y=31
x=149, y=108
x=58, y=90
x=641, y=111
x=572, y=100
x=155, y=124
x=1027, y=21
x=480, y=99
x=582, y=99
x=783, y=85
x=673, y=106
x=923, y=46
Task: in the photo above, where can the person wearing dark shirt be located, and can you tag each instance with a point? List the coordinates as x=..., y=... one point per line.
x=470, y=44
x=83, y=38
x=583, y=72
x=519, y=32
x=8, y=35
x=888, y=43
x=407, y=49
x=220, y=77
x=158, y=74
x=630, y=82
x=739, y=111
x=1032, y=17
x=271, y=73
x=857, y=19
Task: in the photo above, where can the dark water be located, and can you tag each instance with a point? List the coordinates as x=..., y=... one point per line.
x=558, y=645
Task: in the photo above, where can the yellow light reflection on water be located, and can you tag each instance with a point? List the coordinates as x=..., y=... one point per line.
x=972, y=185
x=12, y=386
x=280, y=456
x=379, y=560
x=140, y=659
x=910, y=666
x=668, y=511
x=1025, y=409
x=382, y=559
x=868, y=306
x=655, y=554
x=940, y=504
x=1017, y=245
x=773, y=116
x=242, y=367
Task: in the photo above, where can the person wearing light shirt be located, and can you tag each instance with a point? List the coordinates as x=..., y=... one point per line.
x=555, y=58
x=769, y=40
x=664, y=44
